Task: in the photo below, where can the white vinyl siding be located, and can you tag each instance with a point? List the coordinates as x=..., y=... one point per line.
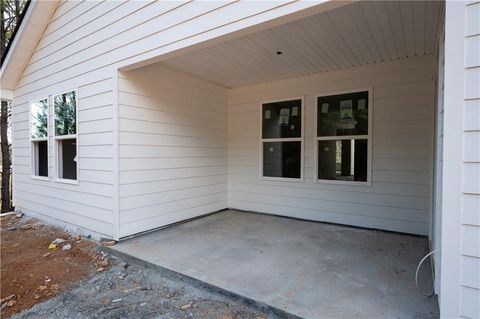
x=81, y=47
x=470, y=237
x=173, y=148
x=403, y=116
x=87, y=205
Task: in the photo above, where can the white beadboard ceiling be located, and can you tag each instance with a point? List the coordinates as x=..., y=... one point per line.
x=361, y=33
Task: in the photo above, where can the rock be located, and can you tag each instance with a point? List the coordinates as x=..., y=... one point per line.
x=186, y=306
x=58, y=241
x=124, y=265
x=11, y=303
x=42, y=288
x=103, y=263
x=108, y=242
x=7, y=298
x=100, y=269
x=67, y=247
x=122, y=275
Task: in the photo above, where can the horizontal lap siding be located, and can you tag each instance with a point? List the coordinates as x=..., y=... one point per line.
x=400, y=196
x=470, y=263
x=84, y=42
x=173, y=148
x=88, y=205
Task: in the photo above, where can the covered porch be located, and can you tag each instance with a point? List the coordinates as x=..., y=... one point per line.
x=302, y=268
x=328, y=118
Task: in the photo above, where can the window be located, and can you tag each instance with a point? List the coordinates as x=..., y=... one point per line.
x=281, y=149
x=65, y=107
x=343, y=137
x=39, y=137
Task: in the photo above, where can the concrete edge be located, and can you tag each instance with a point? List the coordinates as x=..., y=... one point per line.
x=175, y=275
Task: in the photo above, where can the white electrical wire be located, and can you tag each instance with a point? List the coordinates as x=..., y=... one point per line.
x=418, y=268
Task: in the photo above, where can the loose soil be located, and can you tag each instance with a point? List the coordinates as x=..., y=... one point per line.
x=30, y=271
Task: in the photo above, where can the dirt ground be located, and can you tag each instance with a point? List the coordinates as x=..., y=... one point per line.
x=75, y=289
x=30, y=271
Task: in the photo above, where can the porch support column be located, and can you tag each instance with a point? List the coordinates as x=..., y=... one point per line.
x=450, y=275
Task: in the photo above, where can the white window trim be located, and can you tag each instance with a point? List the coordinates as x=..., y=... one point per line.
x=369, y=136
x=65, y=137
x=39, y=139
x=286, y=139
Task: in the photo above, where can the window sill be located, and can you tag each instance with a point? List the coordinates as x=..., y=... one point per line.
x=345, y=183
x=40, y=178
x=67, y=181
x=281, y=179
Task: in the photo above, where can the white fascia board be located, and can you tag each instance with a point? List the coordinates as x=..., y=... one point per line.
x=26, y=39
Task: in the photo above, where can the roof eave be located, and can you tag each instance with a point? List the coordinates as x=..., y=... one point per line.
x=28, y=35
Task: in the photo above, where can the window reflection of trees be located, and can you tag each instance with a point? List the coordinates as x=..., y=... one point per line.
x=40, y=119
x=65, y=114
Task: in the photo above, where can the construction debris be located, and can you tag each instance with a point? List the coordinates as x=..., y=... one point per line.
x=186, y=306
x=42, y=288
x=7, y=214
x=3, y=300
x=58, y=241
x=108, y=242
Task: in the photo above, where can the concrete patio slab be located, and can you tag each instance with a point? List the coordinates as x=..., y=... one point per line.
x=308, y=269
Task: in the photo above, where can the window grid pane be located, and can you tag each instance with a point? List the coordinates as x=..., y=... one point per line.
x=65, y=106
x=67, y=158
x=344, y=160
x=40, y=158
x=282, y=159
x=282, y=119
x=342, y=114
x=39, y=119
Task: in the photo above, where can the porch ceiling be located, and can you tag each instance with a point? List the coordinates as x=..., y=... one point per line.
x=361, y=33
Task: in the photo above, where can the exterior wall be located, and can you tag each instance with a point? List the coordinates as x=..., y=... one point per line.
x=470, y=259
x=89, y=204
x=460, y=257
x=400, y=197
x=82, y=46
x=173, y=148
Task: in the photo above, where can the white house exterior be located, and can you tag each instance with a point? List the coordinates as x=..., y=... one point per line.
x=171, y=100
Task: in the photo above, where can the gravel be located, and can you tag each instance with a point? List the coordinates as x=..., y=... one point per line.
x=134, y=291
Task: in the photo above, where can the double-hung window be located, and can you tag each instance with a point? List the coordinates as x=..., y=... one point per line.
x=65, y=114
x=39, y=138
x=343, y=138
x=281, y=143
